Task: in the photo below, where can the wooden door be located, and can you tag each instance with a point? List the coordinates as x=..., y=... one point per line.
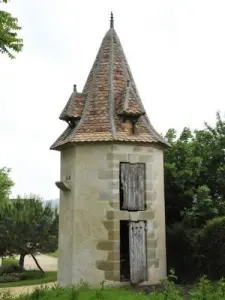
x=138, y=252
x=132, y=177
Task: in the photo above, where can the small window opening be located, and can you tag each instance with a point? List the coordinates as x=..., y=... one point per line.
x=72, y=122
x=129, y=124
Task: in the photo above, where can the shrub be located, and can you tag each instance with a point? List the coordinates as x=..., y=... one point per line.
x=181, y=252
x=8, y=269
x=25, y=275
x=31, y=275
x=13, y=277
x=211, y=241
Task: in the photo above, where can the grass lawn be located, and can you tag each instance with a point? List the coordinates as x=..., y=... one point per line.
x=33, y=277
x=85, y=294
x=48, y=277
x=54, y=254
x=9, y=261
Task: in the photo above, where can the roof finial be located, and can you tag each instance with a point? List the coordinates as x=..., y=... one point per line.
x=74, y=87
x=111, y=21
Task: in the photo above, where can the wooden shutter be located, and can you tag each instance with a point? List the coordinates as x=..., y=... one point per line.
x=140, y=189
x=138, y=255
x=133, y=186
x=125, y=183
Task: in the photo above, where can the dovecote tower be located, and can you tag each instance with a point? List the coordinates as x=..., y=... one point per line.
x=112, y=216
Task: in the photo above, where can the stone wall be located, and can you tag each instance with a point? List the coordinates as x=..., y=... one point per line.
x=155, y=213
x=89, y=240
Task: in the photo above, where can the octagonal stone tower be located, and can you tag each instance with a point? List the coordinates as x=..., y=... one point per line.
x=112, y=216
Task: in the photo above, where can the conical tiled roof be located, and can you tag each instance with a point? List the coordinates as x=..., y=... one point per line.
x=108, y=98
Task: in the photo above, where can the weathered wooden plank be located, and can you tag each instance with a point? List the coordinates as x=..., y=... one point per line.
x=132, y=205
x=133, y=186
x=138, y=252
x=140, y=194
x=125, y=181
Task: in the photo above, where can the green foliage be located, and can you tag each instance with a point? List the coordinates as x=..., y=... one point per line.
x=9, y=40
x=28, y=278
x=6, y=184
x=8, y=269
x=207, y=290
x=203, y=209
x=194, y=194
x=203, y=290
x=194, y=174
x=182, y=169
x=12, y=277
x=53, y=254
x=211, y=247
x=181, y=252
x=13, y=273
x=31, y=275
x=9, y=261
x=28, y=227
x=170, y=290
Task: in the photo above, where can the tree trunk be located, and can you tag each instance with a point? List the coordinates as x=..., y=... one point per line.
x=21, y=260
x=39, y=267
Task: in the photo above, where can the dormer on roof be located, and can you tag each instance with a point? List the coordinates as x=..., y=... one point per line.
x=72, y=112
x=129, y=104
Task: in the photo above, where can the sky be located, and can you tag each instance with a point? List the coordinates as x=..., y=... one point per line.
x=175, y=48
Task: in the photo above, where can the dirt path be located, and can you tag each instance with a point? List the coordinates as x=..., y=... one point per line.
x=47, y=263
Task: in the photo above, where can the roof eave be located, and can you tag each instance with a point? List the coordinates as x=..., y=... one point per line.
x=162, y=144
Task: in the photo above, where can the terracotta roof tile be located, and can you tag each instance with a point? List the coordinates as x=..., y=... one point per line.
x=74, y=106
x=106, y=96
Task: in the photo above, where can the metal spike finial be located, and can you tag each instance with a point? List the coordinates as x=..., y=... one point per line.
x=74, y=87
x=111, y=21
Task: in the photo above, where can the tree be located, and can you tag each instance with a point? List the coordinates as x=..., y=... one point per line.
x=181, y=171
x=28, y=227
x=6, y=184
x=9, y=40
x=194, y=164
x=203, y=209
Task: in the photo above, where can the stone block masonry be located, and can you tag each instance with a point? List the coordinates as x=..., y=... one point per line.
x=153, y=159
